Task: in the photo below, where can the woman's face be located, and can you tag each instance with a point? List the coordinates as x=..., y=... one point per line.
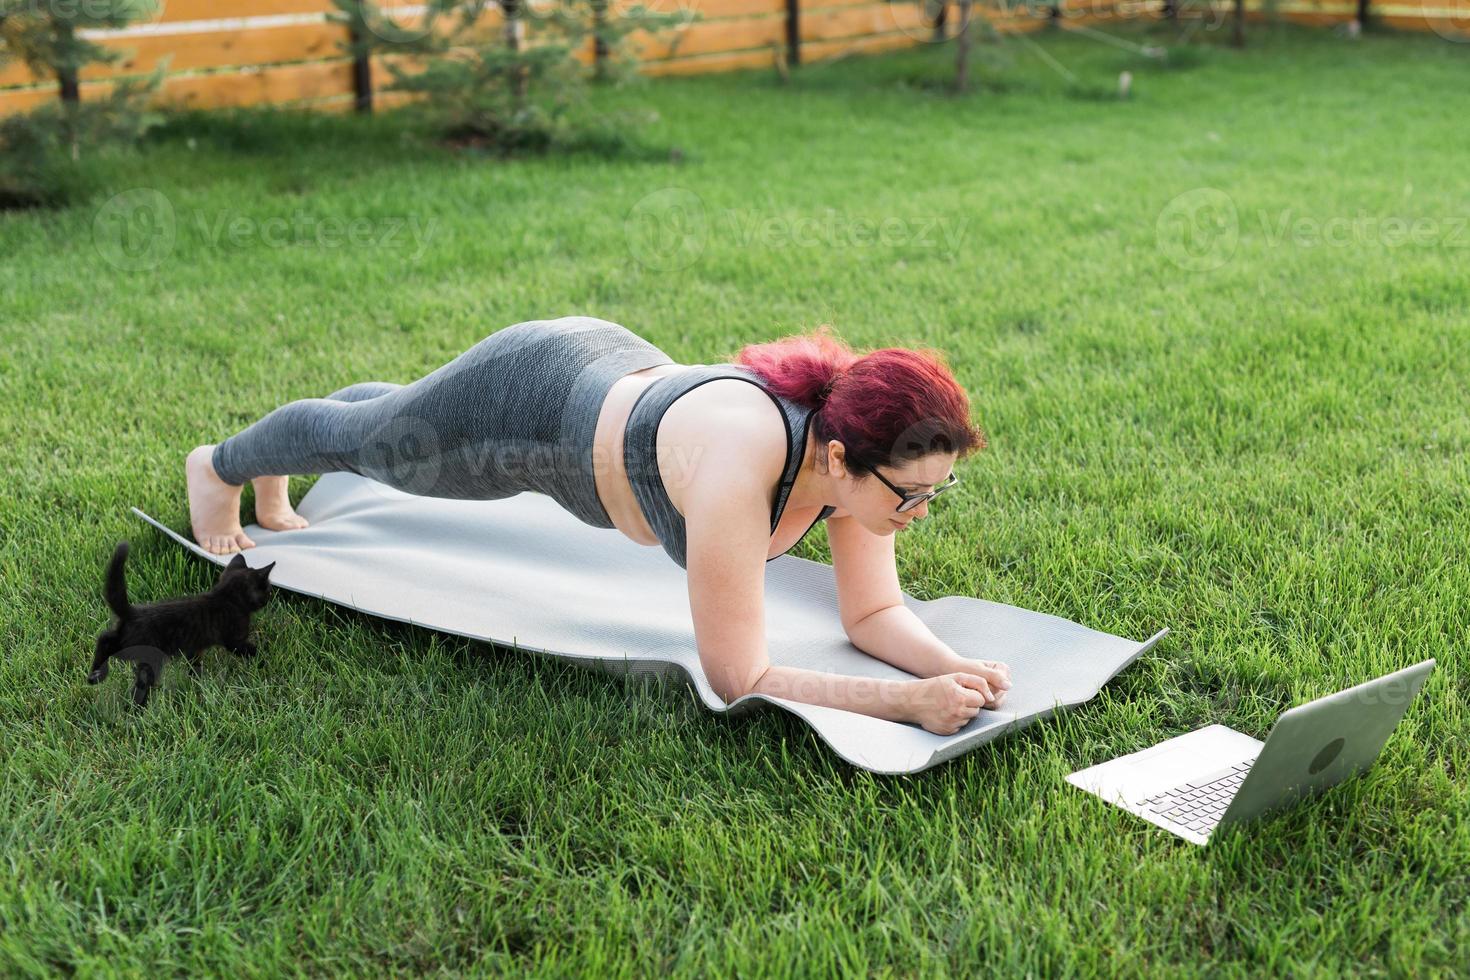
x=875, y=505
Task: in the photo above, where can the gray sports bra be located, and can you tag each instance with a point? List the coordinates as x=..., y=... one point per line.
x=640, y=457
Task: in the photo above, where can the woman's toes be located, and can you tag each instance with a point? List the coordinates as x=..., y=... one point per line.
x=224, y=544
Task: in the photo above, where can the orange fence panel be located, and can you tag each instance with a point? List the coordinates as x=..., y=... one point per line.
x=241, y=52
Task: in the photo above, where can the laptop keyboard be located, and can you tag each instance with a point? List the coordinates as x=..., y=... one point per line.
x=1199, y=804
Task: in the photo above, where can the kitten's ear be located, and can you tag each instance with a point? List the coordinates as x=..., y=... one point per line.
x=265, y=570
x=237, y=562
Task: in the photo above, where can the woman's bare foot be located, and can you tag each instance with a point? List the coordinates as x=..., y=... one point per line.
x=214, y=506
x=273, y=505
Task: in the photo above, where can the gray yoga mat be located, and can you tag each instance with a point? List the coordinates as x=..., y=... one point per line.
x=522, y=571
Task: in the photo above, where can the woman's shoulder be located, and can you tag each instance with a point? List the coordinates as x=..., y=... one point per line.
x=729, y=409
x=731, y=418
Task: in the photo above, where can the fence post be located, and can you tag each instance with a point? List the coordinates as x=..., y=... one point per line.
x=793, y=32
x=599, y=45
x=362, y=78
x=70, y=90
x=1363, y=6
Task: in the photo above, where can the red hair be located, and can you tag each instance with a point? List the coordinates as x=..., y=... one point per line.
x=886, y=406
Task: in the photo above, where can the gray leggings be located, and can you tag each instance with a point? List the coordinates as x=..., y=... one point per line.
x=515, y=412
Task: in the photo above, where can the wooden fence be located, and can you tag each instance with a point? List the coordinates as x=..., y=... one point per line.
x=242, y=52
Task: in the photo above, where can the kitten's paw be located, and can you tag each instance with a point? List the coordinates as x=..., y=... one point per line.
x=246, y=649
x=142, y=683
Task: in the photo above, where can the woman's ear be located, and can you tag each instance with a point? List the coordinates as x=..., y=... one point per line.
x=836, y=457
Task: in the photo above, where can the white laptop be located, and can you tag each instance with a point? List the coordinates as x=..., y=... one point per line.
x=1214, y=776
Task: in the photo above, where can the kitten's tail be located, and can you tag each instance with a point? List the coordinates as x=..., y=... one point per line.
x=115, y=588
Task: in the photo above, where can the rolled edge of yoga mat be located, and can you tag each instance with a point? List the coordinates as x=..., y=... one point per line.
x=348, y=511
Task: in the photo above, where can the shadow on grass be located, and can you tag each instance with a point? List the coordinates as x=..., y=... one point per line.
x=394, y=135
x=275, y=131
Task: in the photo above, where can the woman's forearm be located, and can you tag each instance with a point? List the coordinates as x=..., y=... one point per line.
x=896, y=636
x=886, y=699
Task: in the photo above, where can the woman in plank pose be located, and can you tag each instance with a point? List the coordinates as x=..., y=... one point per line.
x=725, y=465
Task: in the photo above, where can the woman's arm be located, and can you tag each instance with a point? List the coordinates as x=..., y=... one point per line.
x=870, y=603
x=727, y=520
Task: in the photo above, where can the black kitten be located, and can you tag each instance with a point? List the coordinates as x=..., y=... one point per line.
x=185, y=626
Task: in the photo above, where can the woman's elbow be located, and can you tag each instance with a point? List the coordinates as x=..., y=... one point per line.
x=732, y=685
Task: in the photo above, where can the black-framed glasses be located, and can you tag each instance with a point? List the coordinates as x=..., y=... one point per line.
x=908, y=501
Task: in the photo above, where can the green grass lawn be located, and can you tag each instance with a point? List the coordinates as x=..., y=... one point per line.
x=1218, y=334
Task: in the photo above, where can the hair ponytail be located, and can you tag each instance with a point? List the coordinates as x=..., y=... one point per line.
x=805, y=368
x=885, y=406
